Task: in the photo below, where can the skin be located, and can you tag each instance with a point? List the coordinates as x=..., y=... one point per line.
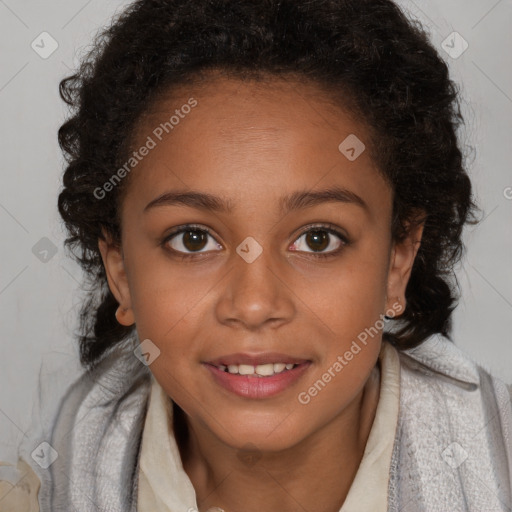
x=252, y=143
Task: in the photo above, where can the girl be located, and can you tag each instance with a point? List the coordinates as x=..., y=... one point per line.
x=268, y=197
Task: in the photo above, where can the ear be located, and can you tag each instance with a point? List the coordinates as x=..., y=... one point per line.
x=113, y=261
x=402, y=258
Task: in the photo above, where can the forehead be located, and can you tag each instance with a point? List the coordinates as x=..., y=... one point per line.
x=243, y=135
x=243, y=104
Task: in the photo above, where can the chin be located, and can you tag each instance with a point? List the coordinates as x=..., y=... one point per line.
x=264, y=434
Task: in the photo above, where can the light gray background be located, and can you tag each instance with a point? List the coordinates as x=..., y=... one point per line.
x=39, y=301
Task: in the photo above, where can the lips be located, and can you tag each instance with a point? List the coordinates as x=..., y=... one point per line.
x=256, y=386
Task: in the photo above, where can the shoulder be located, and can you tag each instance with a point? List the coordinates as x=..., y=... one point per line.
x=100, y=408
x=454, y=429
x=104, y=410
x=438, y=355
x=455, y=425
x=453, y=390
x=115, y=380
x=20, y=488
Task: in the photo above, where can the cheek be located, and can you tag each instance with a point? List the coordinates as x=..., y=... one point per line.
x=165, y=296
x=171, y=310
x=351, y=296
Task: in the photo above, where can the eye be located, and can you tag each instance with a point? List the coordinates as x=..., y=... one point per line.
x=190, y=239
x=320, y=240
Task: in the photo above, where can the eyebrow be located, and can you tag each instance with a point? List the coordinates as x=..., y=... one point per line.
x=293, y=202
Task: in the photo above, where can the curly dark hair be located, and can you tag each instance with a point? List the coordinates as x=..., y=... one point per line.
x=391, y=76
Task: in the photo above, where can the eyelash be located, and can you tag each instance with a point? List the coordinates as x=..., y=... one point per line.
x=328, y=228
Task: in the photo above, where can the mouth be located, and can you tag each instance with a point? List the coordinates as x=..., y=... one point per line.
x=257, y=376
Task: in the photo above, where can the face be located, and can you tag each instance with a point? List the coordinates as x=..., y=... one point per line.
x=267, y=268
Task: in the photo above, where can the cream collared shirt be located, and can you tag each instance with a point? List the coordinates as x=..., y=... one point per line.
x=164, y=485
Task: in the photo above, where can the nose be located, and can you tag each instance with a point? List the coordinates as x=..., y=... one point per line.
x=256, y=295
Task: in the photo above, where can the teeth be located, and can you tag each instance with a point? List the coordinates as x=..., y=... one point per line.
x=265, y=369
x=245, y=369
x=261, y=370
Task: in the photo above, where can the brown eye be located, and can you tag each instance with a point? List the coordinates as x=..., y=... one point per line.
x=194, y=240
x=189, y=240
x=317, y=240
x=320, y=241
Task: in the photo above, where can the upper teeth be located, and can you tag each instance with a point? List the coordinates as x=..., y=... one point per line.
x=261, y=369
